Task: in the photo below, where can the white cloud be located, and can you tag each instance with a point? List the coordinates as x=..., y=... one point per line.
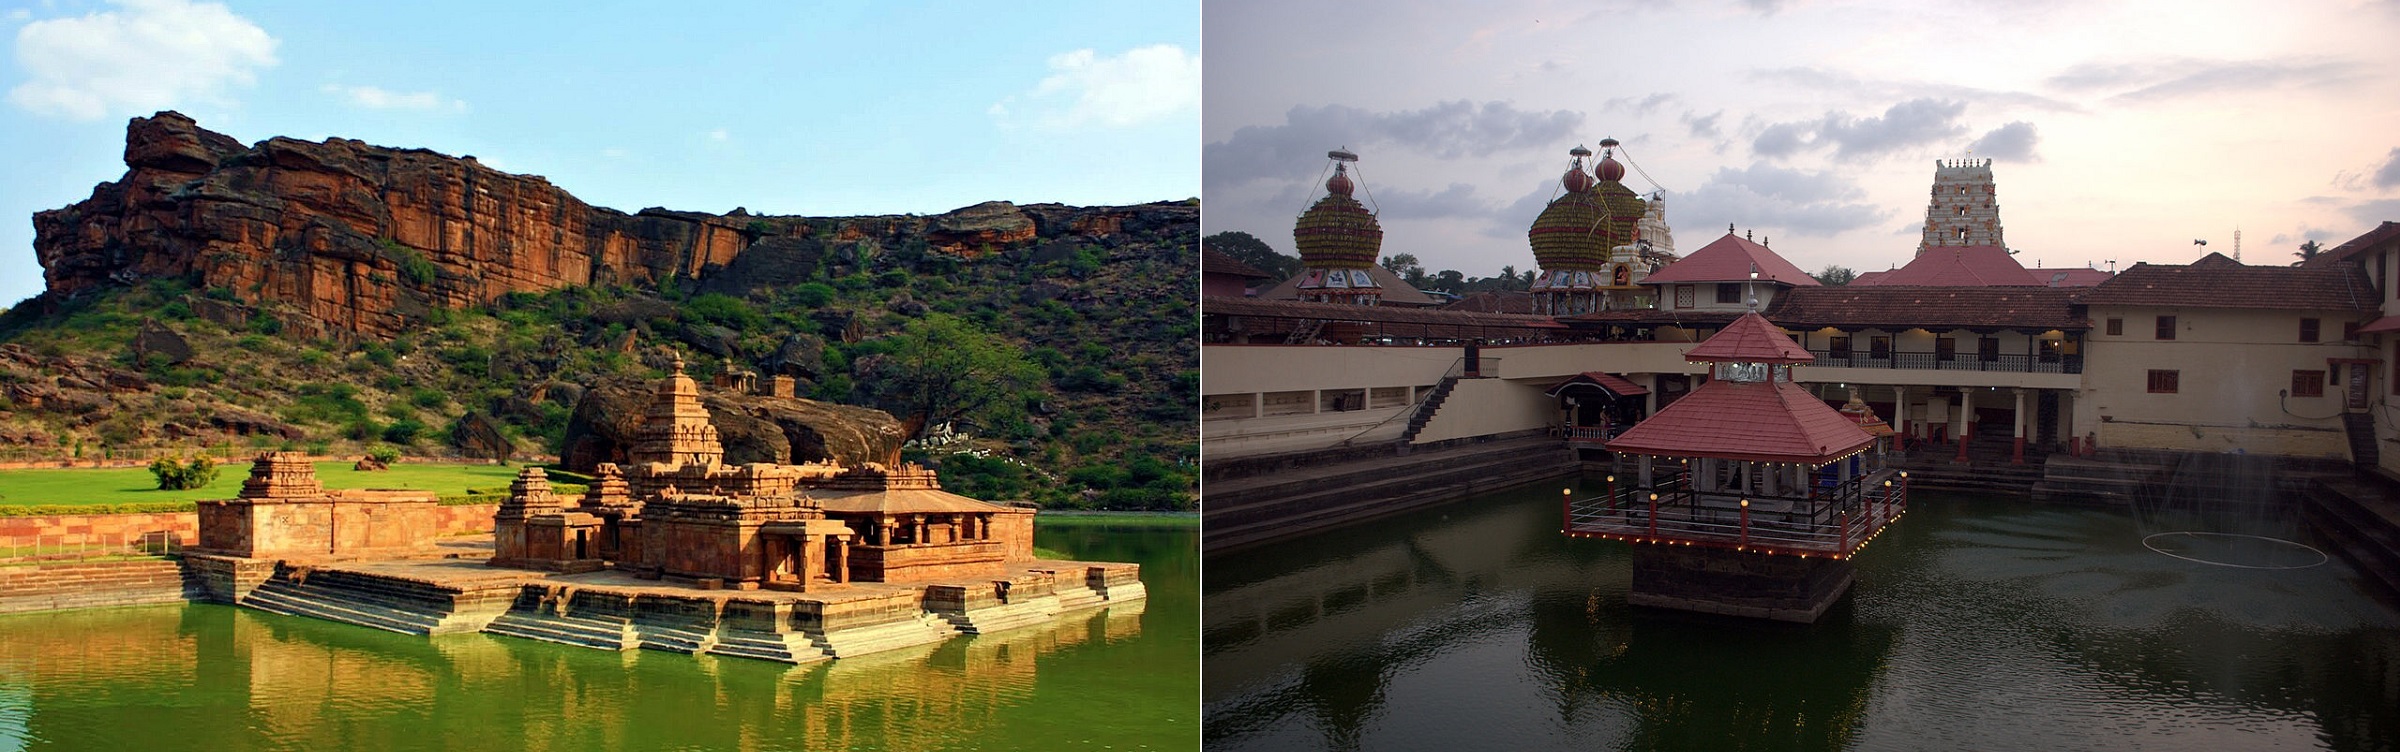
x=720, y=135
x=142, y=56
x=614, y=152
x=19, y=14
x=1142, y=85
x=376, y=98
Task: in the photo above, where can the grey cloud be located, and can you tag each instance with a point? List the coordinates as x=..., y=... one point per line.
x=2388, y=176
x=1768, y=196
x=1704, y=126
x=1642, y=106
x=1877, y=89
x=1447, y=130
x=1457, y=200
x=2014, y=142
x=2169, y=79
x=2374, y=212
x=1513, y=220
x=1764, y=7
x=1911, y=123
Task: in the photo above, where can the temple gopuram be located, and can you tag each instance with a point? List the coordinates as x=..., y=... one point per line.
x=1748, y=496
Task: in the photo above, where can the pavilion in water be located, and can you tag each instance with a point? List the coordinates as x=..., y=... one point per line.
x=1750, y=495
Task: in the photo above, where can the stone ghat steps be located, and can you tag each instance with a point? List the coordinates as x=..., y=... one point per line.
x=1350, y=498
x=603, y=634
x=66, y=578
x=2370, y=541
x=1023, y=613
x=1241, y=492
x=1073, y=597
x=785, y=647
x=280, y=596
x=920, y=629
x=675, y=639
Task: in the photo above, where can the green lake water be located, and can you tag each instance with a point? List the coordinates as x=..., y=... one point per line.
x=215, y=677
x=1975, y=623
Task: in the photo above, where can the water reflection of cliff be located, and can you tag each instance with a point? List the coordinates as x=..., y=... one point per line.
x=148, y=678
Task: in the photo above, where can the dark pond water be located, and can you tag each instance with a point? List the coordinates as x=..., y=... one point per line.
x=1975, y=624
x=222, y=678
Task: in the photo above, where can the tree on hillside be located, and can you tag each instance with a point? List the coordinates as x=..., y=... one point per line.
x=942, y=368
x=1248, y=249
x=2308, y=252
x=1834, y=275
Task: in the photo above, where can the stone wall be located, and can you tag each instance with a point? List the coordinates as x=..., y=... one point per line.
x=92, y=584
x=23, y=537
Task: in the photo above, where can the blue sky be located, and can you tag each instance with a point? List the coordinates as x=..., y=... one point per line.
x=783, y=108
x=2119, y=129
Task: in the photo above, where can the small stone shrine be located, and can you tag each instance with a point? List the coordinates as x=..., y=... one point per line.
x=285, y=512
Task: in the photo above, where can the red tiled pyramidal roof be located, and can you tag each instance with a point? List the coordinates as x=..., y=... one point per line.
x=1750, y=339
x=1729, y=260
x=2215, y=281
x=1957, y=266
x=1759, y=421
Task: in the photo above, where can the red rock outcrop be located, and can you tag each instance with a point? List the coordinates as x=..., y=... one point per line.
x=353, y=239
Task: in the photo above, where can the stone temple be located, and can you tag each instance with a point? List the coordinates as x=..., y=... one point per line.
x=673, y=550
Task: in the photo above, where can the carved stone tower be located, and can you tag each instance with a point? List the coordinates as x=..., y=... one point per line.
x=675, y=429
x=1965, y=209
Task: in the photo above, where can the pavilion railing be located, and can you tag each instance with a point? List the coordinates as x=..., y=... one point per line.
x=1828, y=518
x=1925, y=361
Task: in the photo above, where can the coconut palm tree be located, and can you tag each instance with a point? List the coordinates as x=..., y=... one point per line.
x=2308, y=252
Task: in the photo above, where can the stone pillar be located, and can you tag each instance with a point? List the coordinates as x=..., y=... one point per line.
x=1966, y=420
x=1900, y=409
x=841, y=558
x=2017, y=452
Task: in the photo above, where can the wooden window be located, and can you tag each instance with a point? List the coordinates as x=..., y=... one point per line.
x=1988, y=349
x=1683, y=296
x=2349, y=331
x=2166, y=327
x=2049, y=351
x=1879, y=347
x=2308, y=330
x=2308, y=383
x=1945, y=348
x=1838, y=346
x=1729, y=292
x=2163, y=382
x=2116, y=327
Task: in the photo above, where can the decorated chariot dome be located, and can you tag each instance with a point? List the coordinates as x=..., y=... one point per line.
x=1586, y=240
x=1339, y=240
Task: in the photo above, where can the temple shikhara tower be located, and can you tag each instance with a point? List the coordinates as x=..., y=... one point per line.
x=1589, y=242
x=1338, y=240
x=1749, y=495
x=1965, y=210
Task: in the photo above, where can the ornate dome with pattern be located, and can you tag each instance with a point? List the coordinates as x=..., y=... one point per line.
x=1339, y=232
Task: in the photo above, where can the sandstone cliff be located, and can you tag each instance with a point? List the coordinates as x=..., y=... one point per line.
x=342, y=238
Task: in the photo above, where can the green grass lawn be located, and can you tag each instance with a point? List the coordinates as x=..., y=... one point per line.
x=135, y=485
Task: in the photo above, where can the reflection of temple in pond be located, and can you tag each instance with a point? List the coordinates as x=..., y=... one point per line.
x=210, y=673
x=673, y=551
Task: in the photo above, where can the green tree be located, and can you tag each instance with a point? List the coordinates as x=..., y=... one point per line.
x=1248, y=249
x=1835, y=276
x=1406, y=265
x=2308, y=252
x=942, y=368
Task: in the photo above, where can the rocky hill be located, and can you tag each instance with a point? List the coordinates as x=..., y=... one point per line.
x=338, y=294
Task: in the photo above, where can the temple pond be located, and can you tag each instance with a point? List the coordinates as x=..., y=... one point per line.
x=217, y=677
x=1976, y=623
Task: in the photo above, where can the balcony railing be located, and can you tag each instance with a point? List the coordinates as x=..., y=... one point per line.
x=1925, y=361
x=1829, y=519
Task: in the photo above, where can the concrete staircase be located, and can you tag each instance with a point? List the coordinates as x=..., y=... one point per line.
x=2361, y=517
x=1263, y=508
x=2361, y=429
x=1423, y=414
x=1990, y=467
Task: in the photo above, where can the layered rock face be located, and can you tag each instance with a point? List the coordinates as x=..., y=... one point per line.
x=362, y=240
x=750, y=427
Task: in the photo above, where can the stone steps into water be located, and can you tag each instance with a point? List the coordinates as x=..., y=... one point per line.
x=2360, y=516
x=784, y=647
x=1023, y=613
x=923, y=628
x=600, y=633
x=285, y=597
x=679, y=639
x=1308, y=499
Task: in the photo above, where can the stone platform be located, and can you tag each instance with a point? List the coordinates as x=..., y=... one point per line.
x=612, y=610
x=1737, y=583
